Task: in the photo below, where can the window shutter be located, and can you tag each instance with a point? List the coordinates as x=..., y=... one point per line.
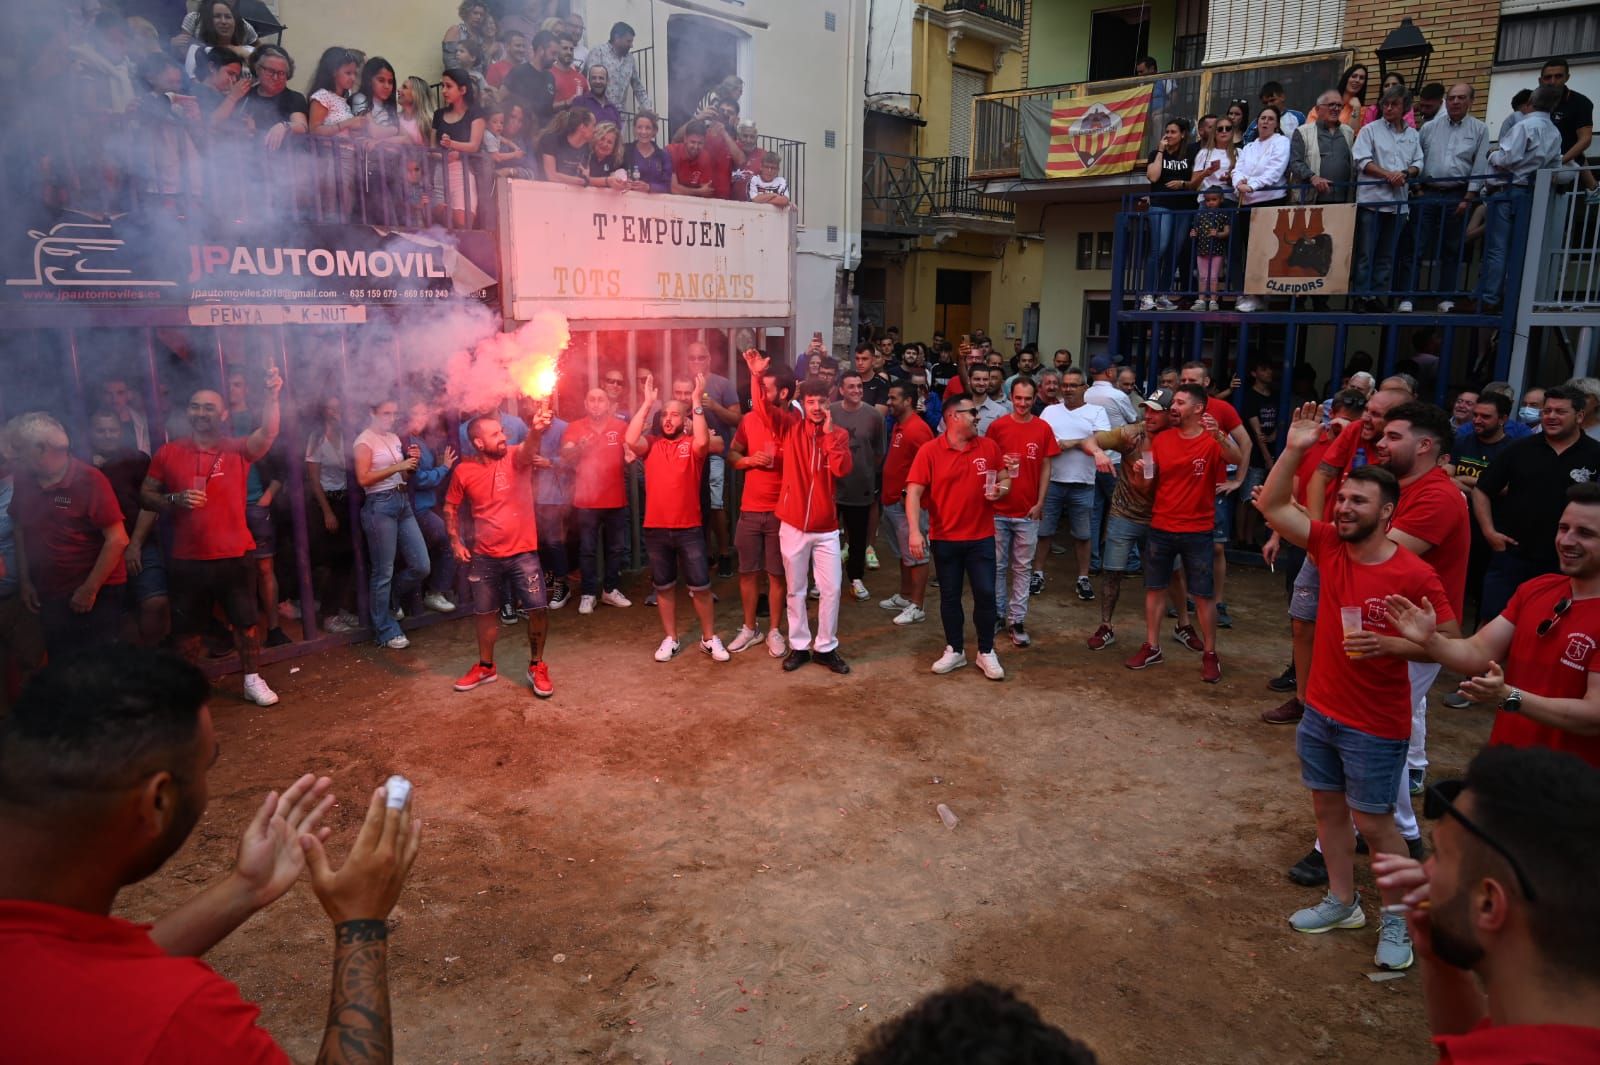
x=964, y=85
x=1238, y=30
x=1532, y=7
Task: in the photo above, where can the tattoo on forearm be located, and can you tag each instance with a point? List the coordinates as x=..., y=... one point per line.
x=359, y=1030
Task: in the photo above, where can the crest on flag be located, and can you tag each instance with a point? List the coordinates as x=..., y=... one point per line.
x=1098, y=134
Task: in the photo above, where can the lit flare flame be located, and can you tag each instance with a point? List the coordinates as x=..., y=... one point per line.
x=536, y=376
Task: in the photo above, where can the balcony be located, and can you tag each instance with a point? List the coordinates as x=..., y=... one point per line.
x=908, y=195
x=1007, y=11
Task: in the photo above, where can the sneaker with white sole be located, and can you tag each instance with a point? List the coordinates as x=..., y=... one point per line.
x=911, y=615
x=777, y=646
x=1246, y=304
x=1147, y=303
x=1036, y=581
x=1404, y=307
x=1329, y=914
x=895, y=602
x=339, y=626
x=950, y=661
x=745, y=639
x=614, y=597
x=872, y=558
x=398, y=643
x=714, y=648
x=815, y=592
x=1019, y=635
x=1085, y=589
x=560, y=595
x=668, y=650
x=435, y=601
x=1446, y=306
x=1164, y=304
x=989, y=662
x=1394, y=943
x=256, y=690
x=859, y=590
x=586, y=604
x=1213, y=306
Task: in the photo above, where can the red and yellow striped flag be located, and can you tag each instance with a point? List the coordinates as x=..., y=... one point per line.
x=1098, y=134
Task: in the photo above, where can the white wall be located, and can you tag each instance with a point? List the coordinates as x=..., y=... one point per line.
x=889, y=34
x=1504, y=84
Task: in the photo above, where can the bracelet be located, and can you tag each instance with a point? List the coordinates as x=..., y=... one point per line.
x=366, y=930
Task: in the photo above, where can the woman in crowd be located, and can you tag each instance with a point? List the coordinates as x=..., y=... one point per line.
x=1352, y=91
x=331, y=85
x=649, y=168
x=413, y=111
x=1258, y=179
x=605, y=154
x=1213, y=163
x=427, y=435
x=382, y=464
x=1238, y=116
x=216, y=25
x=474, y=16
x=459, y=126
x=163, y=163
x=332, y=558
x=564, y=147
x=1168, y=171
x=375, y=100
x=1371, y=112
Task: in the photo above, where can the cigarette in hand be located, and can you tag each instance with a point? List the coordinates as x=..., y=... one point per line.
x=1400, y=909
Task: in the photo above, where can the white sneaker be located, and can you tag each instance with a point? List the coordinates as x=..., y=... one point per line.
x=859, y=590
x=746, y=639
x=777, y=646
x=910, y=615
x=256, y=690
x=814, y=593
x=397, y=613
x=668, y=649
x=1446, y=306
x=435, y=601
x=398, y=643
x=615, y=598
x=586, y=604
x=1214, y=306
x=289, y=609
x=1147, y=303
x=1404, y=307
x=1246, y=304
x=990, y=664
x=1198, y=305
x=895, y=602
x=338, y=625
x=949, y=661
x=714, y=648
x=1164, y=304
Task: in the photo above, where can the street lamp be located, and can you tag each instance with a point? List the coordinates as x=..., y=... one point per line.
x=1405, y=52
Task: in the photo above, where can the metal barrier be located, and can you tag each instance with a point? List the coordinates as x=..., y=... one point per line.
x=914, y=192
x=1008, y=11
x=1561, y=272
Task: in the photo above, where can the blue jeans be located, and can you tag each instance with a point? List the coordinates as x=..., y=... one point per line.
x=1505, y=209
x=552, y=521
x=1015, y=541
x=1377, y=233
x=612, y=523
x=391, y=530
x=1433, y=235
x=974, y=559
x=1505, y=573
x=1158, y=259
x=67, y=631
x=442, y=579
x=1336, y=757
x=1105, y=484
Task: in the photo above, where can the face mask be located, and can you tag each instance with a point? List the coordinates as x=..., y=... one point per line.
x=1528, y=415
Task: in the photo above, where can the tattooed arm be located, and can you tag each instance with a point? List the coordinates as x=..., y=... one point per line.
x=358, y=897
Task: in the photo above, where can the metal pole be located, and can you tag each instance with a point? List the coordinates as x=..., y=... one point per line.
x=352, y=504
x=1341, y=334
x=295, y=475
x=1512, y=351
x=1584, y=354
x=1286, y=381
x=634, y=499
x=154, y=422
x=80, y=413
x=1446, y=361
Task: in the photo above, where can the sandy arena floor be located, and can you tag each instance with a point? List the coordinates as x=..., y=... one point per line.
x=695, y=862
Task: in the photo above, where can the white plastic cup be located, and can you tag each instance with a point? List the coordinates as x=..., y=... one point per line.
x=1350, y=618
x=398, y=790
x=991, y=478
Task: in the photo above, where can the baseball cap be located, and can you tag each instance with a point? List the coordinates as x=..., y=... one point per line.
x=1100, y=364
x=1160, y=399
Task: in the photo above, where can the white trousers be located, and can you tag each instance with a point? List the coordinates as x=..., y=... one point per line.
x=1423, y=674
x=809, y=556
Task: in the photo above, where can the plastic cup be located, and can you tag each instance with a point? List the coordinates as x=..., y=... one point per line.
x=1350, y=618
x=991, y=478
x=1013, y=460
x=199, y=485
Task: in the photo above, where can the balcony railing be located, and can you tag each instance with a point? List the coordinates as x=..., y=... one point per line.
x=1007, y=11
x=917, y=194
x=792, y=153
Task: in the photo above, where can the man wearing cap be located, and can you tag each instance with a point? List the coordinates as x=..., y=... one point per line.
x=1104, y=393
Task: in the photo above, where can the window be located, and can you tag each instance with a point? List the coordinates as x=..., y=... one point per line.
x=1094, y=251
x=1117, y=39
x=1102, y=255
x=1301, y=83
x=1096, y=326
x=1258, y=29
x=1085, y=251
x=1531, y=38
x=964, y=86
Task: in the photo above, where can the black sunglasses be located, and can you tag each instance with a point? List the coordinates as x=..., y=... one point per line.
x=1550, y=622
x=1439, y=801
x=614, y=381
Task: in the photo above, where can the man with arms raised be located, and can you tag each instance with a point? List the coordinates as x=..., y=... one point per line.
x=910, y=434
x=756, y=451
x=103, y=765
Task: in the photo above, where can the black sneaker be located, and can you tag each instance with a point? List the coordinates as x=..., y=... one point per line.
x=1036, y=583
x=1283, y=682
x=1223, y=620
x=1085, y=589
x=508, y=614
x=1019, y=635
x=1417, y=849
x=725, y=567
x=1310, y=871
x=560, y=593
x=795, y=660
x=277, y=638
x=832, y=659
x=1361, y=844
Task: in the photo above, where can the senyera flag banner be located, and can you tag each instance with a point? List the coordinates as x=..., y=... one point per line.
x=1098, y=134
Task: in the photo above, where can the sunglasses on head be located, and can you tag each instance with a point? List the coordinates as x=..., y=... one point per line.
x=1439, y=801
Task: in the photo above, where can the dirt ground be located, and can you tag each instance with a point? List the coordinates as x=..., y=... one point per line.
x=696, y=862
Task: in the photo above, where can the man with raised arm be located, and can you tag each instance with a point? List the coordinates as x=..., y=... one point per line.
x=103, y=765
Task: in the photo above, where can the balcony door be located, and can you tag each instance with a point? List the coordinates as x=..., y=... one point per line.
x=965, y=84
x=701, y=51
x=952, y=309
x=1117, y=38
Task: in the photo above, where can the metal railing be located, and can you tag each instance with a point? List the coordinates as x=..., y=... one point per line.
x=791, y=152
x=644, y=59
x=1561, y=271
x=1008, y=11
x=917, y=193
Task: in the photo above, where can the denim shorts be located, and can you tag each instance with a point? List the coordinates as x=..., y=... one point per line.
x=1122, y=536
x=1307, y=591
x=151, y=580
x=488, y=577
x=1223, y=531
x=899, y=528
x=1336, y=757
x=1077, y=501
x=1165, y=548
x=665, y=547
x=259, y=521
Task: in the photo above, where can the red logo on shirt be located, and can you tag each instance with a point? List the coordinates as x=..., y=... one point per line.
x=1376, y=612
x=1033, y=451
x=1199, y=467
x=980, y=464
x=1579, y=647
x=683, y=449
x=611, y=438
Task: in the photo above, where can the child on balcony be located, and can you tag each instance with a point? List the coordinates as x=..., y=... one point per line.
x=1210, y=236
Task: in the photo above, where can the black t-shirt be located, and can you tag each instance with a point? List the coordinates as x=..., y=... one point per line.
x=268, y=111
x=1534, y=480
x=1571, y=115
x=943, y=374
x=460, y=129
x=1178, y=168
x=569, y=160
x=126, y=471
x=1265, y=410
x=535, y=89
x=875, y=391
x=1472, y=456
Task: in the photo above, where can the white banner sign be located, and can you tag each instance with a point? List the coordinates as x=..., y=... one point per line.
x=601, y=254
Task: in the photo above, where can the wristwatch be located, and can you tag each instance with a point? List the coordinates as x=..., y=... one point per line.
x=1513, y=702
x=699, y=410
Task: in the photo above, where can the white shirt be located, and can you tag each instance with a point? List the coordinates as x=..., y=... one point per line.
x=1073, y=466
x=1118, y=407
x=1262, y=163
x=386, y=451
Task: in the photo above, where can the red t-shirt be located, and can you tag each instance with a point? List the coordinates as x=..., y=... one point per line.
x=1370, y=694
x=1034, y=442
x=501, y=496
x=904, y=443
x=1433, y=510
x=570, y=84
x=598, y=483
x=1225, y=414
x=761, y=486
x=79, y=987
x=672, y=483
x=1556, y=665
x=218, y=529
x=1520, y=1044
x=711, y=167
x=954, y=481
x=61, y=525
x=1187, y=475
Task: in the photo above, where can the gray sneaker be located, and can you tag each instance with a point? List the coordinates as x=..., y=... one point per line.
x=1329, y=914
x=1394, y=943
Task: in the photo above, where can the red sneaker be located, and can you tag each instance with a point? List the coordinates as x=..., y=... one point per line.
x=1144, y=657
x=539, y=677
x=1186, y=635
x=1210, y=667
x=1103, y=637
x=477, y=675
